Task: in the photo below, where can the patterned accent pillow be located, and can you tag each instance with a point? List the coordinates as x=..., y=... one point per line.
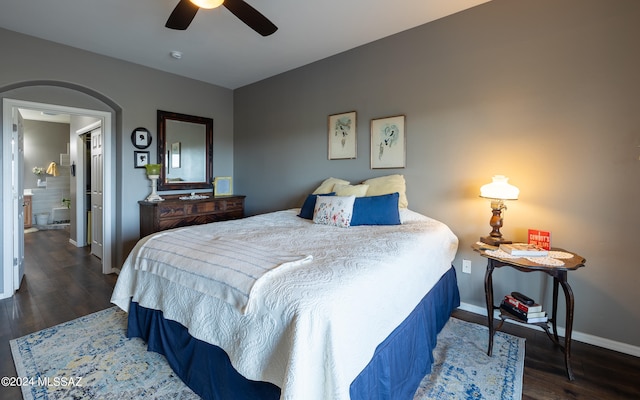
x=334, y=210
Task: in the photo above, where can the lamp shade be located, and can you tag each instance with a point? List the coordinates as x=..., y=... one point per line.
x=207, y=3
x=153, y=169
x=499, y=189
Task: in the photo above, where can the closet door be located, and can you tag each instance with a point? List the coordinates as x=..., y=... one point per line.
x=96, y=192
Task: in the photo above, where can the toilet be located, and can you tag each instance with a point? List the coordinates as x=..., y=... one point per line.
x=42, y=219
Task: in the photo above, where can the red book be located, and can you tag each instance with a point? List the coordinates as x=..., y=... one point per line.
x=521, y=306
x=540, y=238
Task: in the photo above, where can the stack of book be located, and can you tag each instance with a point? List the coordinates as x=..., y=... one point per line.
x=526, y=313
x=524, y=250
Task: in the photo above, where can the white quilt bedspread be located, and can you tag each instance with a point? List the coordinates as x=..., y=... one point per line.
x=313, y=326
x=212, y=264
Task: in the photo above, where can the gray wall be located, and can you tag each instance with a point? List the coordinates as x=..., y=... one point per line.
x=43, y=143
x=76, y=78
x=545, y=92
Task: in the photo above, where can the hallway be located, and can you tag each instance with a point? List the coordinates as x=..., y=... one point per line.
x=61, y=283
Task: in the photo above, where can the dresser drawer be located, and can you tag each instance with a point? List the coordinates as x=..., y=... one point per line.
x=202, y=208
x=174, y=213
x=171, y=211
x=234, y=205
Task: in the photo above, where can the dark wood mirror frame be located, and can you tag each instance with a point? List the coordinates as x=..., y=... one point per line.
x=163, y=117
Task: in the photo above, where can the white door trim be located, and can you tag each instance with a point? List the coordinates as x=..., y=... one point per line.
x=108, y=176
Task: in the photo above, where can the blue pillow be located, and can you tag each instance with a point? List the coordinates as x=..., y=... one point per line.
x=376, y=210
x=309, y=204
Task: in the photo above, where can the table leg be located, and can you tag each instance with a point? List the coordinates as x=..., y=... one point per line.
x=488, y=291
x=554, y=310
x=568, y=295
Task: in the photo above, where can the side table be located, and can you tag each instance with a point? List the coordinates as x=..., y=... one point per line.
x=559, y=274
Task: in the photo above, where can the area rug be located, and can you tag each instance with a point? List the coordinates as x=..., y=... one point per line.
x=90, y=357
x=463, y=371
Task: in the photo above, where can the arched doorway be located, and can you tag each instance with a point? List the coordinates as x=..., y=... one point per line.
x=67, y=98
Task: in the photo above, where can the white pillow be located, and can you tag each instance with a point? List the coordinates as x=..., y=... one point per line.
x=327, y=185
x=388, y=184
x=350, y=190
x=334, y=210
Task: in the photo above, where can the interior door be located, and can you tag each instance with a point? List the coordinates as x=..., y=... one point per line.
x=96, y=192
x=17, y=165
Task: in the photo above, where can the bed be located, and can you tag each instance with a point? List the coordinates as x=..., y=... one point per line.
x=319, y=311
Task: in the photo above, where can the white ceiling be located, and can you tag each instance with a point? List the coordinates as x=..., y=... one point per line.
x=37, y=115
x=218, y=48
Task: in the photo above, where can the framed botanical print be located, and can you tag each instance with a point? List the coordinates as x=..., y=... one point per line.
x=342, y=136
x=388, y=142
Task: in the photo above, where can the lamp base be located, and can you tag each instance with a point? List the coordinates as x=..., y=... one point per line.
x=154, y=196
x=494, y=241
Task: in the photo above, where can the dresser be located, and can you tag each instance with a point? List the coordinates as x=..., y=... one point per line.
x=174, y=213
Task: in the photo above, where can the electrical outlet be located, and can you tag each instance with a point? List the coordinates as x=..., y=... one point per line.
x=466, y=266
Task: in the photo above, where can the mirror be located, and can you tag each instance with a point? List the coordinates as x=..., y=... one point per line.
x=185, y=151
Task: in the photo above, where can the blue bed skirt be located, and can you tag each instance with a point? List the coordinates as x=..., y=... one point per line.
x=394, y=372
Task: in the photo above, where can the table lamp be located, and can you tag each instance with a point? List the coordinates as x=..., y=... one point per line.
x=497, y=191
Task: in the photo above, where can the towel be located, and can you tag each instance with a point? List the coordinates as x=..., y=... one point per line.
x=52, y=169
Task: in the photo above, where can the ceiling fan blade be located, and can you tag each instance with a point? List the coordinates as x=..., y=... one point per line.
x=251, y=17
x=182, y=15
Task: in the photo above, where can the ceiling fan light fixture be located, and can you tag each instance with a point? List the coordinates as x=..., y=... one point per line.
x=186, y=10
x=207, y=3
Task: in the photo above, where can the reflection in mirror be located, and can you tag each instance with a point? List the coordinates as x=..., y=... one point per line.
x=185, y=150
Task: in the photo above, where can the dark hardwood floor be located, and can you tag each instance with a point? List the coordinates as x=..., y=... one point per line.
x=63, y=282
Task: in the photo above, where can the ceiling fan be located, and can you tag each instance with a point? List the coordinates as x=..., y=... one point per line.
x=186, y=10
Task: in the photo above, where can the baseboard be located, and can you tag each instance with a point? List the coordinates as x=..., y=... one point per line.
x=576, y=335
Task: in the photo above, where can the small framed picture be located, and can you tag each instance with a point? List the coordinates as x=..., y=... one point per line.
x=388, y=142
x=140, y=158
x=222, y=186
x=342, y=136
x=141, y=138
